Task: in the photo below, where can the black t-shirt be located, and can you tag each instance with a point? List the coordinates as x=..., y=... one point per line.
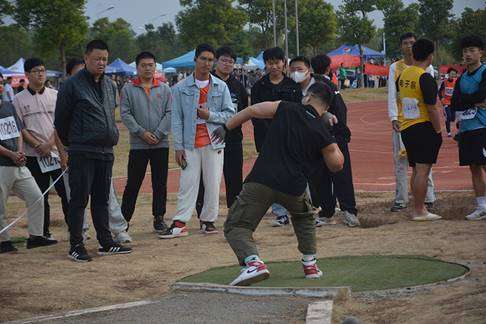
x=294, y=139
x=7, y=110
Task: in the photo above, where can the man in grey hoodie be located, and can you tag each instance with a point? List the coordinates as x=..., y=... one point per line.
x=146, y=111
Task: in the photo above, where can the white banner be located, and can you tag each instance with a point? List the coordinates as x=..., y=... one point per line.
x=49, y=163
x=8, y=128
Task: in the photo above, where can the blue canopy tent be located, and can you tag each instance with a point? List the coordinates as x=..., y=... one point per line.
x=5, y=71
x=120, y=68
x=17, y=69
x=353, y=50
x=183, y=61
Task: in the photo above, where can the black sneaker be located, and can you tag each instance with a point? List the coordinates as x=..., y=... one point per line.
x=208, y=228
x=78, y=253
x=7, y=246
x=159, y=225
x=397, y=207
x=38, y=241
x=114, y=248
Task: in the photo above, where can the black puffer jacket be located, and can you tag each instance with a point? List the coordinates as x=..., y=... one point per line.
x=85, y=114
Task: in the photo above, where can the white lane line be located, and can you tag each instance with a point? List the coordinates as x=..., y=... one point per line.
x=84, y=312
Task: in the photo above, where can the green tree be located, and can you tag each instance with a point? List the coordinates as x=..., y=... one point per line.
x=434, y=20
x=215, y=22
x=15, y=43
x=354, y=25
x=118, y=35
x=6, y=9
x=470, y=22
x=163, y=41
x=57, y=24
x=398, y=20
x=317, y=26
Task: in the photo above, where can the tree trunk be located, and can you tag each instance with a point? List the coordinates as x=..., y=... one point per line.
x=361, y=66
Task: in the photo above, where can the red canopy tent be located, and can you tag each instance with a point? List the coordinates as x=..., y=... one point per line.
x=378, y=70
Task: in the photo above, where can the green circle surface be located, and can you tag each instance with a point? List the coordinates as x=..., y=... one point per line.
x=361, y=273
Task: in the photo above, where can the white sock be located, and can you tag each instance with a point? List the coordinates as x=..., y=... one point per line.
x=308, y=257
x=481, y=202
x=250, y=258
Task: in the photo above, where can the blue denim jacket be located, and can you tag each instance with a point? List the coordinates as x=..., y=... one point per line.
x=185, y=100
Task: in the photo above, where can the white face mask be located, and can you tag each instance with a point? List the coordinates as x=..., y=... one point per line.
x=298, y=76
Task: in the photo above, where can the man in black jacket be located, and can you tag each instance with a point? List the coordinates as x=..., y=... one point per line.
x=85, y=122
x=274, y=86
x=326, y=186
x=233, y=151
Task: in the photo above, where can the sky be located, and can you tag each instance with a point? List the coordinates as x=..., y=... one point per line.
x=140, y=12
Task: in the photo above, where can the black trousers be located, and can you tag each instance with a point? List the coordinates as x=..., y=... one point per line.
x=89, y=177
x=326, y=186
x=137, y=165
x=233, y=176
x=43, y=180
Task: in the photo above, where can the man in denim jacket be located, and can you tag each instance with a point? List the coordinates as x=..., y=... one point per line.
x=201, y=103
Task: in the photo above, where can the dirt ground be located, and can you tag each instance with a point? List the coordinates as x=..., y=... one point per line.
x=44, y=281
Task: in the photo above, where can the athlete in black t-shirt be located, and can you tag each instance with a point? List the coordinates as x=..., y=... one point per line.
x=298, y=135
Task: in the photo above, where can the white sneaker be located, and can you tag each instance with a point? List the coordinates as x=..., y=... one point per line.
x=321, y=221
x=122, y=237
x=426, y=217
x=476, y=215
x=350, y=219
x=255, y=271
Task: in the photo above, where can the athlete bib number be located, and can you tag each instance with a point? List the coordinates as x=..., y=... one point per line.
x=8, y=128
x=469, y=114
x=449, y=91
x=49, y=163
x=410, y=108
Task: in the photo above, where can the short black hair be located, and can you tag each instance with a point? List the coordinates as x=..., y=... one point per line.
x=31, y=63
x=226, y=51
x=9, y=78
x=322, y=92
x=96, y=44
x=422, y=48
x=274, y=53
x=72, y=63
x=1, y=75
x=302, y=59
x=204, y=48
x=21, y=80
x=472, y=41
x=407, y=35
x=320, y=63
x=144, y=55
x=449, y=70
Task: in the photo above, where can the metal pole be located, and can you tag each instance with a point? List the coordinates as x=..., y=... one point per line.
x=286, y=31
x=274, y=25
x=384, y=49
x=297, y=27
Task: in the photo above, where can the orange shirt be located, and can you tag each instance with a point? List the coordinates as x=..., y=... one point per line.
x=447, y=91
x=202, y=135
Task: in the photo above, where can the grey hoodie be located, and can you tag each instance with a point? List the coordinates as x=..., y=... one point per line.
x=141, y=112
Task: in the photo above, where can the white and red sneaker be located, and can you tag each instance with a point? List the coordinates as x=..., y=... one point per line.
x=311, y=271
x=176, y=229
x=255, y=271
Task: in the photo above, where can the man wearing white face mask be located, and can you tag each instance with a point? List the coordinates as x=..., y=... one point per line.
x=325, y=186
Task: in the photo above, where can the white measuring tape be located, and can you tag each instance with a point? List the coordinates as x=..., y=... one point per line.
x=35, y=202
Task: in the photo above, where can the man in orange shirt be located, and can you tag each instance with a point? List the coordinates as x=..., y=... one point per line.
x=201, y=103
x=445, y=94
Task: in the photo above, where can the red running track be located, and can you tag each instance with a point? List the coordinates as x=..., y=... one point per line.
x=371, y=157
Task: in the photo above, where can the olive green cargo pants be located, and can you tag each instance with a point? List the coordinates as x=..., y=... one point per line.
x=249, y=208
